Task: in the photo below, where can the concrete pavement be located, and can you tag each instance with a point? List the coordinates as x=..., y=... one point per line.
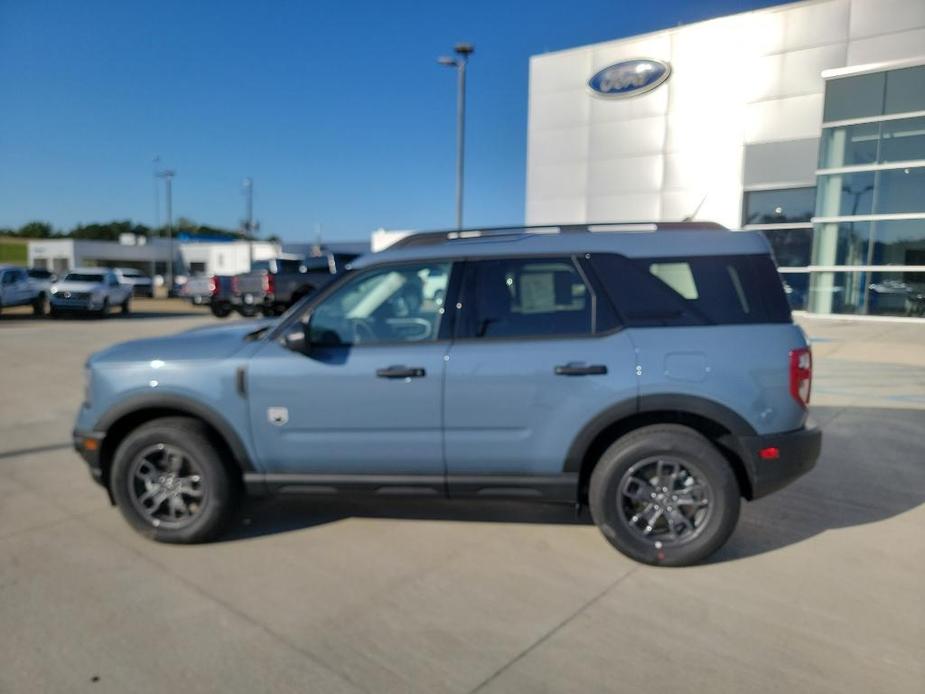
x=818, y=590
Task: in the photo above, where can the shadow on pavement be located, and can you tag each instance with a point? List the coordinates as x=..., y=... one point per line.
x=872, y=468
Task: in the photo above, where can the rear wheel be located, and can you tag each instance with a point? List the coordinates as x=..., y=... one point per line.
x=40, y=305
x=247, y=310
x=220, y=310
x=104, y=309
x=170, y=484
x=664, y=495
x=127, y=306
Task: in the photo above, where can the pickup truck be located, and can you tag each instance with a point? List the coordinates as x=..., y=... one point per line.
x=274, y=285
x=214, y=291
x=18, y=289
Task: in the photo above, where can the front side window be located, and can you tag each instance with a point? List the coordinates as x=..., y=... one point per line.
x=525, y=298
x=398, y=304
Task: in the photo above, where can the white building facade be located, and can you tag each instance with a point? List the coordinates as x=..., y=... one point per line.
x=805, y=121
x=151, y=255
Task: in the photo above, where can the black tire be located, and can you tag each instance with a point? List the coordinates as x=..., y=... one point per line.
x=702, y=473
x=220, y=310
x=127, y=306
x=219, y=490
x=247, y=310
x=40, y=305
x=104, y=309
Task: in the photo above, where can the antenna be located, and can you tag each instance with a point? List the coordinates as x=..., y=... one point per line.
x=690, y=217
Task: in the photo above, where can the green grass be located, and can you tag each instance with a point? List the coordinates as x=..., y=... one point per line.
x=14, y=252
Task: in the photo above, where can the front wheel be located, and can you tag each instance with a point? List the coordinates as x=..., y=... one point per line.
x=127, y=306
x=170, y=484
x=664, y=495
x=104, y=309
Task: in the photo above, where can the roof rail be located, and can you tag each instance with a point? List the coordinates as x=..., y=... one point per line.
x=430, y=238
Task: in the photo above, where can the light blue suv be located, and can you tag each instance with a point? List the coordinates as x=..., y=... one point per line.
x=652, y=372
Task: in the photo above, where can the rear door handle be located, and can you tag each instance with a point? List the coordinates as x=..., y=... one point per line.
x=401, y=372
x=577, y=369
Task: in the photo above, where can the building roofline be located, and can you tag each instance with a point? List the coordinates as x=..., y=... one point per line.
x=670, y=30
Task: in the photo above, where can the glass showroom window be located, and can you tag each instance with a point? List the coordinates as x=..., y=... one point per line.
x=898, y=242
x=779, y=206
x=902, y=140
x=791, y=247
x=841, y=243
x=845, y=194
x=871, y=293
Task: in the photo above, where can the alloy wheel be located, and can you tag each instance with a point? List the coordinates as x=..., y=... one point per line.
x=665, y=500
x=166, y=486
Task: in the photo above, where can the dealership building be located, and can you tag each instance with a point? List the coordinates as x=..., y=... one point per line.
x=805, y=121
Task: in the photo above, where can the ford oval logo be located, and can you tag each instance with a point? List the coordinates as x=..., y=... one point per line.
x=630, y=77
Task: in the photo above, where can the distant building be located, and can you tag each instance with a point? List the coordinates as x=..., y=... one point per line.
x=149, y=255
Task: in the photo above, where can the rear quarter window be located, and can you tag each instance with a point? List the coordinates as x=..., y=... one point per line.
x=703, y=290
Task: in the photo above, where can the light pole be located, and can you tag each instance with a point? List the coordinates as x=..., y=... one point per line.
x=463, y=51
x=167, y=175
x=249, y=219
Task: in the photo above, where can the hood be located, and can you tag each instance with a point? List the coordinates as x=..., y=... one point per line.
x=208, y=343
x=73, y=286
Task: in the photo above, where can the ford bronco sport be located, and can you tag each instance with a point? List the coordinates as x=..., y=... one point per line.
x=652, y=372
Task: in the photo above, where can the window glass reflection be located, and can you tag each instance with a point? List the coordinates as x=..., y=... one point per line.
x=903, y=140
x=849, y=145
x=901, y=190
x=845, y=194
x=905, y=90
x=796, y=289
x=842, y=243
x=791, y=247
x=899, y=242
x=780, y=206
x=871, y=293
x=854, y=97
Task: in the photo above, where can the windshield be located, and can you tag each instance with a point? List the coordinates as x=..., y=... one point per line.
x=83, y=277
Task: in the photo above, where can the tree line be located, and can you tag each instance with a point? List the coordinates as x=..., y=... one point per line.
x=110, y=231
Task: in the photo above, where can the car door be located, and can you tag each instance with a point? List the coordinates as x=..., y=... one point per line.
x=537, y=356
x=363, y=397
x=7, y=287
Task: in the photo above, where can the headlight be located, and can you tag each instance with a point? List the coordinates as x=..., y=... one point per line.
x=53, y=290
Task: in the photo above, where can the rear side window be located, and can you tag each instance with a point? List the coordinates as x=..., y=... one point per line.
x=705, y=290
x=536, y=297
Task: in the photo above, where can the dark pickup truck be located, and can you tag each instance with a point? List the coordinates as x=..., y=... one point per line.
x=272, y=286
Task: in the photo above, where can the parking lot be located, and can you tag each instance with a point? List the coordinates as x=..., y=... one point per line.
x=819, y=589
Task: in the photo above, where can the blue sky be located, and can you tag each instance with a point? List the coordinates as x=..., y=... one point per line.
x=337, y=110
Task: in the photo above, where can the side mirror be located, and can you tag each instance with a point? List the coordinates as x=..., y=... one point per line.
x=297, y=338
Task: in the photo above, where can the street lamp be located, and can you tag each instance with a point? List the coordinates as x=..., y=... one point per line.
x=463, y=51
x=167, y=175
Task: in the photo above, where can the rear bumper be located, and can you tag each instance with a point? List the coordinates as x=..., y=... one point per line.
x=797, y=453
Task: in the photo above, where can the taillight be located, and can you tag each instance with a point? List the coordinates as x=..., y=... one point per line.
x=801, y=374
x=269, y=284
x=213, y=286
x=234, y=284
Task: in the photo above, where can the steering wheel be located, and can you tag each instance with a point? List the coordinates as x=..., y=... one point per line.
x=363, y=331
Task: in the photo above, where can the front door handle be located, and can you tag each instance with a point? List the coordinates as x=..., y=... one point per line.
x=401, y=372
x=577, y=369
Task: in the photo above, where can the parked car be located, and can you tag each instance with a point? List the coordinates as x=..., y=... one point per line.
x=18, y=289
x=95, y=290
x=214, y=291
x=656, y=377
x=141, y=284
x=273, y=285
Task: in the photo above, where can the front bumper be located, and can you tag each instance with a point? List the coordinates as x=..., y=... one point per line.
x=796, y=454
x=88, y=446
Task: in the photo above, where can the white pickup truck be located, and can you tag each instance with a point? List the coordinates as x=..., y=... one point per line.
x=18, y=289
